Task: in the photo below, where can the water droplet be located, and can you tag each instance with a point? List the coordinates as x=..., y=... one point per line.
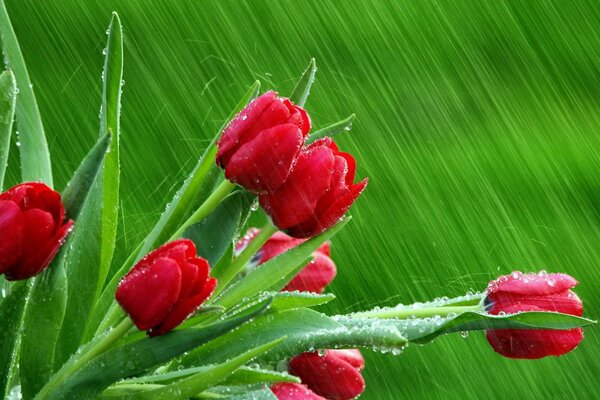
x=464, y=334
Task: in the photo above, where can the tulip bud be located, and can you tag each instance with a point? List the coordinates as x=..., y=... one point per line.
x=334, y=375
x=317, y=193
x=32, y=229
x=314, y=277
x=165, y=287
x=259, y=147
x=519, y=292
x=294, y=391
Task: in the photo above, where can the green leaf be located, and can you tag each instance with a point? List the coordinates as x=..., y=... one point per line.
x=8, y=97
x=215, y=233
x=35, y=157
x=249, y=376
x=133, y=358
x=242, y=376
x=11, y=315
x=48, y=299
x=277, y=272
x=302, y=89
x=188, y=197
x=283, y=301
x=206, y=377
x=78, y=188
x=424, y=330
x=306, y=330
x=344, y=125
x=88, y=265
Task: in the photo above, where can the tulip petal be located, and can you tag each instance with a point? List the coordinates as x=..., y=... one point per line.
x=180, y=249
x=35, y=262
x=183, y=309
x=277, y=244
x=532, y=343
x=294, y=391
x=264, y=163
x=328, y=375
x=203, y=271
x=294, y=202
x=566, y=302
x=315, y=276
x=352, y=356
x=328, y=218
x=149, y=294
x=532, y=283
x=11, y=234
x=232, y=134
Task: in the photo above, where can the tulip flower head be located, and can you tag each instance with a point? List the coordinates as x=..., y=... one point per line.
x=165, y=287
x=317, y=193
x=541, y=291
x=334, y=374
x=32, y=229
x=259, y=147
x=314, y=277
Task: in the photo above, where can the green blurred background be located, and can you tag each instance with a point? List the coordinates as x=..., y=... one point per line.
x=478, y=125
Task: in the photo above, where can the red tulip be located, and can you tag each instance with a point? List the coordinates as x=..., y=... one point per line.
x=259, y=147
x=294, y=391
x=334, y=375
x=317, y=193
x=314, y=277
x=32, y=229
x=533, y=292
x=165, y=287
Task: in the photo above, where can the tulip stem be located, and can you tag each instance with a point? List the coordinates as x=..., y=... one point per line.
x=226, y=275
x=403, y=313
x=206, y=208
x=79, y=360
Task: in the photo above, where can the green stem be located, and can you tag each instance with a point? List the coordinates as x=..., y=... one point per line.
x=206, y=208
x=113, y=315
x=236, y=266
x=80, y=360
x=404, y=313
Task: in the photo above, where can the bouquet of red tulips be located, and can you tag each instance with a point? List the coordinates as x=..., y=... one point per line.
x=206, y=306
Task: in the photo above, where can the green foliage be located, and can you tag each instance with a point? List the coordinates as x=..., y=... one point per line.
x=133, y=358
x=87, y=265
x=35, y=157
x=8, y=97
x=47, y=302
x=302, y=89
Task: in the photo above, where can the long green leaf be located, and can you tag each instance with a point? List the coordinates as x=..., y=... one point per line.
x=48, y=298
x=35, y=157
x=277, y=272
x=11, y=315
x=242, y=376
x=306, y=330
x=302, y=89
x=133, y=358
x=207, y=377
x=87, y=268
x=8, y=97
